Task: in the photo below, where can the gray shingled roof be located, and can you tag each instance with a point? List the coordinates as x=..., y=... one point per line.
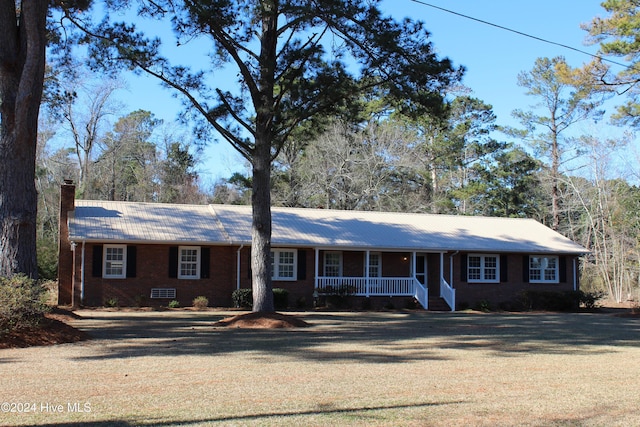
x=228, y=224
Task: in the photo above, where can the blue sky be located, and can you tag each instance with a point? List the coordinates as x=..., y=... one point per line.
x=493, y=57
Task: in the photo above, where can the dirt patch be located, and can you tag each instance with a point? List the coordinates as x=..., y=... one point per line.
x=262, y=321
x=53, y=330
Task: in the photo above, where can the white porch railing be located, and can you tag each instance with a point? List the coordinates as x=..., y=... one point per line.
x=385, y=286
x=421, y=293
x=448, y=293
x=366, y=286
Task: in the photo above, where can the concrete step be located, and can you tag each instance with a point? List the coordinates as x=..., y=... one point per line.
x=438, y=304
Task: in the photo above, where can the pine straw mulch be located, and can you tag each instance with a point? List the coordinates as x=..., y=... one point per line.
x=54, y=329
x=262, y=321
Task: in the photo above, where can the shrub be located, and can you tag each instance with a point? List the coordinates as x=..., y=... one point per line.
x=551, y=301
x=173, y=304
x=242, y=298
x=47, y=250
x=111, y=302
x=590, y=299
x=22, y=303
x=200, y=302
x=484, y=306
x=140, y=300
x=50, y=291
x=280, y=298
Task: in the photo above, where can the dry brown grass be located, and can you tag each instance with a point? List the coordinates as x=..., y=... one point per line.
x=414, y=369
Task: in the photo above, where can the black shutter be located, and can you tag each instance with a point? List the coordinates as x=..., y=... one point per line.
x=96, y=270
x=562, y=267
x=131, y=261
x=173, y=261
x=463, y=267
x=525, y=269
x=205, y=262
x=302, y=264
x=504, y=268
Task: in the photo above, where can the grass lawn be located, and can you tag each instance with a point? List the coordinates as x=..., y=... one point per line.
x=175, y=368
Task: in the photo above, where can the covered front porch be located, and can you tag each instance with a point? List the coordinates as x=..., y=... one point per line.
x=369, y=273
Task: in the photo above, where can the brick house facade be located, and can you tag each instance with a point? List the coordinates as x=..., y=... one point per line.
x=149, y=254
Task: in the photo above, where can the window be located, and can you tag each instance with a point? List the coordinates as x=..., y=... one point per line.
x=283, y=264
x=189, y=262
x=483, y=268
x=332, y=264
x=115, y=259
x=375, y=264
x=543, y=269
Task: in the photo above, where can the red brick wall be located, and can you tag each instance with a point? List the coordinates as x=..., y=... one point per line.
x=152, y=272
x=300, y=290
x=396, y=264
x=469, y=294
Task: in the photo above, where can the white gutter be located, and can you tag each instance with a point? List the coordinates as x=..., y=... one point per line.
x=238, y=267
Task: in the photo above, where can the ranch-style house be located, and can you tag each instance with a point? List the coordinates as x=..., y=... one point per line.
x=152, y=253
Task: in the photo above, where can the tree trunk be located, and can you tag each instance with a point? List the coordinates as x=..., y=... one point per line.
x=261, y=230
x=22, y=62
x=555, y=178
x=261, y=161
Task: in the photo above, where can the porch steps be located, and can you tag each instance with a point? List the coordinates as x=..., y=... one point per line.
x=438, y=304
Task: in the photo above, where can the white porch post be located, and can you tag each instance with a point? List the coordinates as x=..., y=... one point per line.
x=413, y=264
x=315, y=277
x=366, y=271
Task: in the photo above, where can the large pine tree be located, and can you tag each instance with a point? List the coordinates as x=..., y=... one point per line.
x=22, y=64
x=295, y=60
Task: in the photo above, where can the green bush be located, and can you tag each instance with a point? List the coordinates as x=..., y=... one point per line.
x=200, y=302
x=243, y=298
x=280, y=299
x=111, y=302
x=47, y=251
x=173, y=304
x=590, y=299
x=22, y=303
x=551, y=301
x=484, y=306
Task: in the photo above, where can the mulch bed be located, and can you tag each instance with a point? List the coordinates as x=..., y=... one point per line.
x=262, y=321
x=52, y=330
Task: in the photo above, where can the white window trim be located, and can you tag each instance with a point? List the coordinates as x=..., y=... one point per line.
x=368, y=271
x=198, y=261
x=123, y=275
x=275, y=273
x=542, y=270
x=482, y=269
x=324, y=265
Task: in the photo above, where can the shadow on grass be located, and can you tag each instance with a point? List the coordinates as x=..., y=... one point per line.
x=322, y=411
x=388, y=337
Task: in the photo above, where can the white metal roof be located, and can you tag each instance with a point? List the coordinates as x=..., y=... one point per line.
x=144, y=222
x=323, y=228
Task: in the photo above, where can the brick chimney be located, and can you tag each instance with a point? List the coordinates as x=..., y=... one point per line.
x=65, y=253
